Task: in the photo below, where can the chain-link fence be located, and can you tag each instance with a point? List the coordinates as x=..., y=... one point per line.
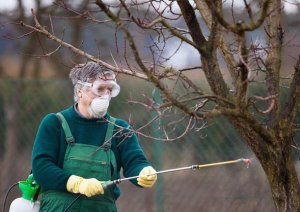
x=23, y=103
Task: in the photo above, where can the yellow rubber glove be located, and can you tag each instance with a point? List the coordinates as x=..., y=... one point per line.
x=88, y=187
x=147, y=177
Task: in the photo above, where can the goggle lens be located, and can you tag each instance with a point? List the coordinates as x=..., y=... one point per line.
x=107, y=76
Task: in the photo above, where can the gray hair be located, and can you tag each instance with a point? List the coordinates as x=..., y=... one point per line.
x=87, y=72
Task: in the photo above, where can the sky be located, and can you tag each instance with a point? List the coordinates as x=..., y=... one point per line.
x=10, y=4
x=289, y=7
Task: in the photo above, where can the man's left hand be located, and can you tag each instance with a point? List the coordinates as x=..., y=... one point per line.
x=147, y=177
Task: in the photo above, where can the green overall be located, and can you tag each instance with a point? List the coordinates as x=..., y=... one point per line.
x=87, y=161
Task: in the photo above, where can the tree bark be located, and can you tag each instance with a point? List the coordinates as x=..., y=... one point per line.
x=278, y=165
x=282, y=177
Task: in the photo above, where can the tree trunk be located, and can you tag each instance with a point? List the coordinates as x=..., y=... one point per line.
x=278, y=165
x=282, y=177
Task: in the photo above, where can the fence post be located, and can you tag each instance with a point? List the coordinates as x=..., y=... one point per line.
x=158, y=153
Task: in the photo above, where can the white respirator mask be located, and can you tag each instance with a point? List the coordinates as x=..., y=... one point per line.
x=99, y=106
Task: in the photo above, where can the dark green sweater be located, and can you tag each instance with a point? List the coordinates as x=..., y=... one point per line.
x=50, y=146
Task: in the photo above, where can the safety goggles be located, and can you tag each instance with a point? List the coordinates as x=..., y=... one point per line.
x=107, y=75
x=100, y=87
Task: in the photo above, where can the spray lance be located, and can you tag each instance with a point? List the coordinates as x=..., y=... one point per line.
x=109, y=183
x=192, y=167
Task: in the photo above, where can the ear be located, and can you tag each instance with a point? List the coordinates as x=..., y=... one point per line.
x=79, y=93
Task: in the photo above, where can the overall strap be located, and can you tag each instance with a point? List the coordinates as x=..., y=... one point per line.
x=69, y=137
x=109, y=133
x=107, y=145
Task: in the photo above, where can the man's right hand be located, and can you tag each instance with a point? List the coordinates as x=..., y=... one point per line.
x=88, y=187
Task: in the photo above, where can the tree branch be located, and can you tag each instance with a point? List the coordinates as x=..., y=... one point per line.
x=273, y=61
x=266, y=134
x=239, y=27
x=38, y=28
x=137, y=57
x=227, y=54
x=193, y=25
x=158, y=20
x=293, y=101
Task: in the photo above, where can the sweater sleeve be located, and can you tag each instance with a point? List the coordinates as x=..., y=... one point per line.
x=132, y=157
x=46, y=156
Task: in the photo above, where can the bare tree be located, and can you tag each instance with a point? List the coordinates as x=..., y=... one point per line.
x=214, y=33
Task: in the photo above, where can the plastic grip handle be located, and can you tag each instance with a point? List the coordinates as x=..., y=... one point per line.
x=107, y=184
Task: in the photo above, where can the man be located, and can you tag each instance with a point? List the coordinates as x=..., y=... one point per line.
x=77, y=150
